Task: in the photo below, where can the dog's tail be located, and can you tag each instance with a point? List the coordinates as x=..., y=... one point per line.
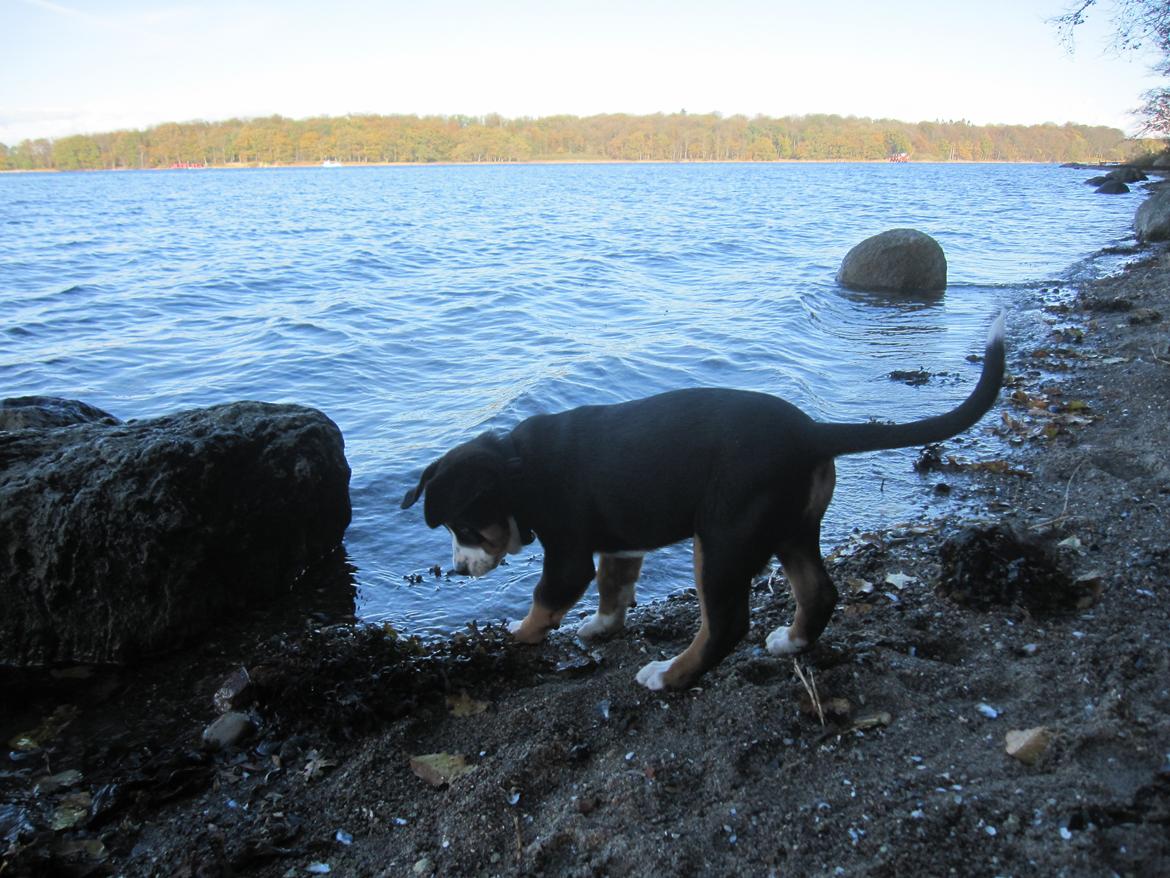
x=838, y=439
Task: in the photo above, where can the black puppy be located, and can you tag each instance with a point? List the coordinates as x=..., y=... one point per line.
x=746, y=474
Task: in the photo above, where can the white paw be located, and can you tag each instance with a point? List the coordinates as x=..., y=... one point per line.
x=779, y=642
x=600, y=625
x=652, y=676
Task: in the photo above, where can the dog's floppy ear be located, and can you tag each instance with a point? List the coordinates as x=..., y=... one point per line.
x=414, y=493
x=452, y=491
x=450, y=485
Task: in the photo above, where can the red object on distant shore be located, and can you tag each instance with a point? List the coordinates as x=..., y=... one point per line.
x=900, y=157
x=187, y=166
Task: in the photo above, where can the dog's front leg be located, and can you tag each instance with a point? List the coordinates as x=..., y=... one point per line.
x=562, y=582
x=616, y=578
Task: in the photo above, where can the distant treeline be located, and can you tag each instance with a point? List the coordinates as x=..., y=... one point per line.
x=617, y=137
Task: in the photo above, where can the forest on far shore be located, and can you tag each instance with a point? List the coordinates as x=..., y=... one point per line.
x=674, y=137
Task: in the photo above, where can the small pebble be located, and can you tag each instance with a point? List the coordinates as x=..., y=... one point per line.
x=234, y=692
x=227, y=731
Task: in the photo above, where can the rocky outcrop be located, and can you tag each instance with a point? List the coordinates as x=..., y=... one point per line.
x=1115, y=182
x=896, y=261
x=122, y=539
x=1127, y=174
x=1152, y=221
x=48, y=411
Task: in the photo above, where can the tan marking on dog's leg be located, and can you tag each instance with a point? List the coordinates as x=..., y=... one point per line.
x=615, y=582
x=616, y=578
x=679, y=671
x=820, y=492
x=562, y=582
x=534, y=627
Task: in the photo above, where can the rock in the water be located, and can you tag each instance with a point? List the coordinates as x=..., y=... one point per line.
x=1112, y=187
x=896, y=261
x=1127, y=174
x=1152, y=221
x=118, y=540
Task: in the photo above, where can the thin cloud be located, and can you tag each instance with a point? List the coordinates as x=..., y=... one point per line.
x=67, y=12
x=134, y=22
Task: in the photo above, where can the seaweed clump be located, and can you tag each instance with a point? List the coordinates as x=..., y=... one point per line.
x=986, y=567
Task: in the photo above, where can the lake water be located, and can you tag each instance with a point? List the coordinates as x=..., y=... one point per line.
x=418, y=306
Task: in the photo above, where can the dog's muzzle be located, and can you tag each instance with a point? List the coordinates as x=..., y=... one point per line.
x=472, y=560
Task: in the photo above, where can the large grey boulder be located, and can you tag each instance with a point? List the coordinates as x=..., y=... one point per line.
x=896, y=261
x=1152, y=221
x=123, y=539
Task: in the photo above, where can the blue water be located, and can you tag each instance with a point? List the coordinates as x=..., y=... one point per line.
x=417, y=306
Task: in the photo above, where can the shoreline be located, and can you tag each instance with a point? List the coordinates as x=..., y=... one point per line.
x=566, y=161
x=577, y=770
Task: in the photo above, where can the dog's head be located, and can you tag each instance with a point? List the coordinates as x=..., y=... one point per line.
x=467, y=492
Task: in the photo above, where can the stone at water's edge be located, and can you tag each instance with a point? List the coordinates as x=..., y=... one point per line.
x=904, y=261
x=122, y=539
x=1152, y=221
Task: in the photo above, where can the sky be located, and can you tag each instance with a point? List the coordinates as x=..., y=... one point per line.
x=86, y=66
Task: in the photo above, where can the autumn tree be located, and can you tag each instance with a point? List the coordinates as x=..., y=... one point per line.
x=615, y=136
x=75, y=153
x=1137, y=25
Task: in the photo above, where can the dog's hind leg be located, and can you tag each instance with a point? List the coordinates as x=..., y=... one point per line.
x=723, y=580
x=800, y=556
x=562, y=582
x=815, y=595
x=616, y=578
